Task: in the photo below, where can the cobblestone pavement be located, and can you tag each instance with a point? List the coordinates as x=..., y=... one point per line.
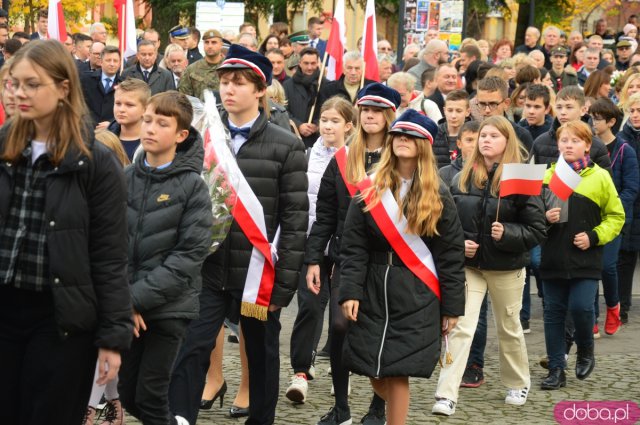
x=615, y=377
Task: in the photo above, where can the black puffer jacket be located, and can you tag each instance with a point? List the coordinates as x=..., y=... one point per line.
x=545, y=147
x=631, y=233
x=331, y=212
x=273, y=162
x=169, y=215
x=448, y=173
x=522, y=217
x=398, y=328
x=441, y=148
x=85, y=208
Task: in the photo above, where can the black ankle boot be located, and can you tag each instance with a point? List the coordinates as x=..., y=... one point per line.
x=585, y=362
x=555, y=380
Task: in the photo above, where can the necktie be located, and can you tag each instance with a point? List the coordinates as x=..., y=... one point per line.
x=107, y=84
x=146, y=76
x=559, y=83
x=235, y=131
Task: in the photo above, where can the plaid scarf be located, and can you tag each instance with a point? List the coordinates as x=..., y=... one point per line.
x=580, y=164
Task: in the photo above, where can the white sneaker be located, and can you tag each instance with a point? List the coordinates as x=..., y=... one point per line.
x=444, y=407
x=517, y=397
x=181, y=421
x=297, y=391
x=312, y=372
x=333, y=390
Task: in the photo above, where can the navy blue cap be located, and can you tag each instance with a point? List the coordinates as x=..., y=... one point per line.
x=379, y=95
x=179, y=32
x=413, y=123
x=240, y=57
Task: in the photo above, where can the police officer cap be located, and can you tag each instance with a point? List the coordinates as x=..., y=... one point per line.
x=413, y=123
x=300, y=37
x=379, y=95
x=240, y=57
x=179, y=32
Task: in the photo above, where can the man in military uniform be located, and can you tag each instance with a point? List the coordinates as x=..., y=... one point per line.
x=180, y=35
x=299, y=40
x=202, y=74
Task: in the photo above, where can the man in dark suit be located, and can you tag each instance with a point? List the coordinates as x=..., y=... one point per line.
x=159, y=79
x=314, y=26
x=41, y=25
x=447, y=81
x=82, y=51
x=98, y=87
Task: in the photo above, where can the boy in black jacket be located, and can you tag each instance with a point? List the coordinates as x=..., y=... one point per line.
x=273, y=165
x=169, y=216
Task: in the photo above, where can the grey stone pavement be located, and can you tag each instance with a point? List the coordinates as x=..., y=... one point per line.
x=616, y=377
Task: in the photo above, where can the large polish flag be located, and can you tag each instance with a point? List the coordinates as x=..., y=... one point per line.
x=126, y=28
x=564, y=180
x=56, y=28
x=370, y=43
x=522, y=179
x=336, y=43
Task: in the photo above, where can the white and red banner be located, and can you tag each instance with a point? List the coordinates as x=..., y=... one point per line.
x=522, y=179
x=126, y=29
x=341, y=158
x=564, y=179
x=370, y=43
x=56, y=27
x=336, y=43
x=411, y=249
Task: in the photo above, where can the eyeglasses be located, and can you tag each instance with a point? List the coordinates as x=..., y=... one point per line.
x=491, y=105
x=28, y=89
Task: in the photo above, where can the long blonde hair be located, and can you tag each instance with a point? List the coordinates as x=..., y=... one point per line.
x=356, y=170
x=475, y=172
x=624, y=96
x=422, y=205
x=69, y=130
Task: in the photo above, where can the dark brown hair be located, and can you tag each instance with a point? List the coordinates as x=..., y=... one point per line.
x=173, y=104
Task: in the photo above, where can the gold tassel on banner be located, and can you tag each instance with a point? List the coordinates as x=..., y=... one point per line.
x=254, y=310
x=447, y=353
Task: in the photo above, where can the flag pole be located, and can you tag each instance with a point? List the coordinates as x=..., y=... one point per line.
x=322, y=68
x=364, y=68
x=498, y=209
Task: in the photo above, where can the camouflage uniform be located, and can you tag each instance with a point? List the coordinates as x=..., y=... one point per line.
x=198, y=76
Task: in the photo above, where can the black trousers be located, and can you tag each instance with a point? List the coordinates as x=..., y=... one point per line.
x=626, y=267
x=146, y=371
x=45, y=378
x=190, y=371
x=307, y=327
x=262, y=344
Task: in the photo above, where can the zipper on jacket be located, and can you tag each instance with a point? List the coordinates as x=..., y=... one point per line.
x=386, y=320
x=143, y=207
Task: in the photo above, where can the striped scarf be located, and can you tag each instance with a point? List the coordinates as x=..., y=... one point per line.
x=580, y=164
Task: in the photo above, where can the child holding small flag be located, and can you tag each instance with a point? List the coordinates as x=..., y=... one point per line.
x=499, y=232
x=572, y=257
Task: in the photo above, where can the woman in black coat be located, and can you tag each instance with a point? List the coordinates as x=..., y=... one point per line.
x=496, y=251
x=64, y=295
x=398, y=311
x=376, y=110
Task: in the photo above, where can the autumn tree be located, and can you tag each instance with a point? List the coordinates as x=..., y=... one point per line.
x=26, y=11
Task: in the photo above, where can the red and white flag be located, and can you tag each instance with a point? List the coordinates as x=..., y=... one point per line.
x=56, y=28
x=336, y=43
x=126, y=28
x=564, y=179
x=522, y=179
x=370, y=43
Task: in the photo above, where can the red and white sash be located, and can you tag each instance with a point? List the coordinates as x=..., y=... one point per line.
x=249, y=215
x=341, y=159
x=411, y=249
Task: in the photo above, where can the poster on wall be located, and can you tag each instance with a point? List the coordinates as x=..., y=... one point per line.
x=446, y=17
x=410, y=15
x=422, y=22
x=434, y=15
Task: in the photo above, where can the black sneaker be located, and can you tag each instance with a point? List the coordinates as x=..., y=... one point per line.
x=525, y=326
x=374, y=417
x=473, y=377
x=624, y=317
x=336, y=416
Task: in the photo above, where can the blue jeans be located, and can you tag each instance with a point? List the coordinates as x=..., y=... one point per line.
x=560, y=296
x=534, y=264
x=476, y=354
x=609, y=275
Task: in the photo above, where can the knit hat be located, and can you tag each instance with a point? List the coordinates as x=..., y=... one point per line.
x=413, y=123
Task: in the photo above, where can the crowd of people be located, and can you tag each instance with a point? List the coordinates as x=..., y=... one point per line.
x=380, y=199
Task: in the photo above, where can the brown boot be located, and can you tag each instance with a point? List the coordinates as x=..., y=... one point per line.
x=113, y=413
